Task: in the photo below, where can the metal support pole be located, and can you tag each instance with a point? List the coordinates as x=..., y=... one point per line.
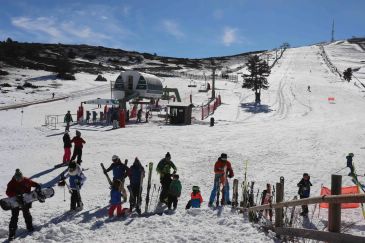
x=334, y=211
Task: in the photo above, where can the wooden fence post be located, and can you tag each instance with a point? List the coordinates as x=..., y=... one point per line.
x=334, y=211
x=279, y=211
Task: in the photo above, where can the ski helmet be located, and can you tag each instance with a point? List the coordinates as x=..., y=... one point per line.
x=78, y=133
x=224, y=156
x=115, y=157
x=196, y=189
x=168, y=155
x=72, y=165
x=351, y=154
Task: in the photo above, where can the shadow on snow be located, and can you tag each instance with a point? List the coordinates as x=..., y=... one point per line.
x=255, y=108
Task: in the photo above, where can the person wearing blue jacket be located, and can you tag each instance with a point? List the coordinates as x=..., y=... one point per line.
x=304, y=192
x=120, y=172
x=115, y=199
x=76, y=180
x=136, y=174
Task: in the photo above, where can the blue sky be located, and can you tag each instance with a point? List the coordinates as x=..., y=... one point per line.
x=186, y=28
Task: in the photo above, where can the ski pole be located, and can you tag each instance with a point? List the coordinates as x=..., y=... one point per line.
x=64, y=194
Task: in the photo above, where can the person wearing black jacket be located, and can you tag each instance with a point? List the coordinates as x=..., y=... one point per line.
x=67, y=147
x=136, y=174
x=304, y=191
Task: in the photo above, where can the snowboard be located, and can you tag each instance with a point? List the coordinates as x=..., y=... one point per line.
x=235, y=193
x=150, y=168
x=11, y=202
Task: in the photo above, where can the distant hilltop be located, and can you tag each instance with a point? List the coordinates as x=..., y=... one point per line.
x=98, y=59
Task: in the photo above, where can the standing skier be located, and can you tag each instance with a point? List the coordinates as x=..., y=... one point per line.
x=67, y=119
x=76, y=180
x=120, y=172
x=350, y=164
x=139, y=115
x=17, y=187
x=196, y=199
x=304, y=191
x=67, y=147
x=174, y=192
x=266, y=198
x=136, y=174
x=220, y=166
x=78, y=141
x=164, y=169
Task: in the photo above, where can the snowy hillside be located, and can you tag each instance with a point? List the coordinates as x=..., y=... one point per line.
x=294, y=131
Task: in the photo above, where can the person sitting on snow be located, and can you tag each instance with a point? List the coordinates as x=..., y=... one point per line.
x=196, y=199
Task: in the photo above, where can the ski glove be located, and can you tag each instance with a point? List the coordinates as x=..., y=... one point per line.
x=38, y=187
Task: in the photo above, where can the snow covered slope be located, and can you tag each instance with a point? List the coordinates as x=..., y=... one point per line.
x=294, y=131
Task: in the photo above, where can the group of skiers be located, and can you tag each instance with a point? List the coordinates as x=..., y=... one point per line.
x=169, y=179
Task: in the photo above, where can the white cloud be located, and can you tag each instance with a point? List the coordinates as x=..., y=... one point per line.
x=173, y=28
x=230, y=36
x=40, y=24
x=58, y=32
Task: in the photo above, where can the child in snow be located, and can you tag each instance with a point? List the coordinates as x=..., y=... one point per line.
x=115, y=199
x=196, y=199
x=304, y=191
x=76, y=180
x=174, y=192
x=267, y=199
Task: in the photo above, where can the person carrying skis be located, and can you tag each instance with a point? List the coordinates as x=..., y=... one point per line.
x=136, y=174
x=67, y=119
x=304, y=191
x=115, y=199
x=17, y=186
x=174, y=192
x=78, y=141
x=76, y=180
x=67, y=147
x=164, y=169
x=196, y=199
x=220, y=166
x=266, y=198
x=120, y=172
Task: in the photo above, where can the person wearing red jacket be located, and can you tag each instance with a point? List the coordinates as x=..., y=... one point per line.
x=220, y=166
x=78, y=141
x=196, y=199
x=16, y=188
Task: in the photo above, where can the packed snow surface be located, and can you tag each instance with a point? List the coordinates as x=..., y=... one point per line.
x=292, y=132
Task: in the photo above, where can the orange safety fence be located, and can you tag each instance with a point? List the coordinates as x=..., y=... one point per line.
x=344, y=190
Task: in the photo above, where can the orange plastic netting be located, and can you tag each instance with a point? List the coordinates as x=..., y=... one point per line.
x=344, y=190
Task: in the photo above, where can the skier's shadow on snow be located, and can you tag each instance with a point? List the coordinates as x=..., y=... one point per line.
x=255, y=108
x=42, y=173
x=55, y=134
x=55, y=180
